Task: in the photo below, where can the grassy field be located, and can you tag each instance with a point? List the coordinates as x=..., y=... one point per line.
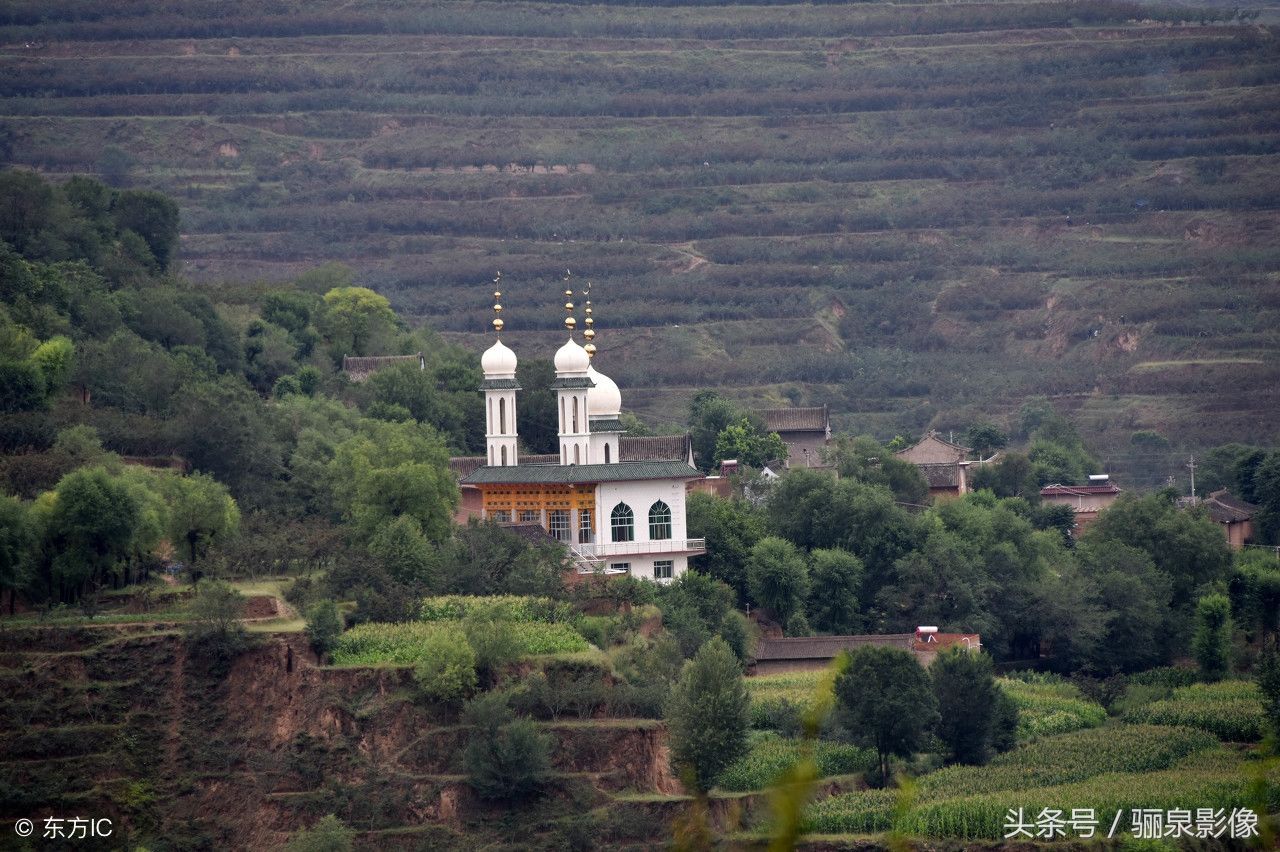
x=917, y=213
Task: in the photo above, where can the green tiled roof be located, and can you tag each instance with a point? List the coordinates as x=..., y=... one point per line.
x=579, y=473
x=500, y=384
x=572, y=382
x=607, y=426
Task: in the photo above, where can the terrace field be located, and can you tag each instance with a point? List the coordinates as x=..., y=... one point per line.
x=918, y=213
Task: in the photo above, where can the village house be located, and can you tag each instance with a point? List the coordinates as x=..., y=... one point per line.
x=806, y=432
x=1232, y=514
x=945, y=466
x=812, y=653
x=358, y=368
x=1085, y=500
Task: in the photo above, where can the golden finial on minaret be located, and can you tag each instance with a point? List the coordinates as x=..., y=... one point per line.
x=497, y=304
x=569, y=322
x=589, y=332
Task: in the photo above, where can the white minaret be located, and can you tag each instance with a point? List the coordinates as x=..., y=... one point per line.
x=604, y=400
x=571, y=386
x=499, y=365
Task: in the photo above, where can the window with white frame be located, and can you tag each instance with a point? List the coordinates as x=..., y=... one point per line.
x=584, y=526
x=663, y=569
x=620, y=566
x=530, y=516
x=501, y=516
x=622, y=523
x=659, y=521
x=558, y=524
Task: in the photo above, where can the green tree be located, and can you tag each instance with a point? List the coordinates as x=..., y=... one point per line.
x=1131, y=599
x=778, y=578
x=215, y=631
x=1211, y=645
x=1004, y=723
x=731, y=528
x=709, y=414
x=90, y=530
x=393, y=469
x=1012, y=476
x=707, y=715
x=201, y=513
x=324, y=627
x=964, y=685
x=1267, y=675
x=357, y=321
x=16, y=540
x=328, y=834
x=22, y=386
x=885, y=701
x=1265, y=482
x=696, y=607
x=447, y=670
x=865, y=460
x=835, y=583
x=54, y=358
x=406, y=554
x=1186, y=546
x=152, y=216
x=506, y=759
x=749, y=444
x=985, y=438
x=1255, y=594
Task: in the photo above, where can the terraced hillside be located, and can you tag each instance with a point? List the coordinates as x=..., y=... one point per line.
x=917, y=213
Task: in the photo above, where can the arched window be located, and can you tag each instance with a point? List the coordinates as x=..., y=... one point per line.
x=606, y=453
x=504, y=456
x=622, y=523
x=577, y=459
x=502, y=416
x=491, y=455
x=563, y=420
x=659, y=521
x=575, y=415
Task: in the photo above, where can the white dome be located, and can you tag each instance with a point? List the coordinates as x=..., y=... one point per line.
x=498, y=361
x=572, y=358
x=604, y=400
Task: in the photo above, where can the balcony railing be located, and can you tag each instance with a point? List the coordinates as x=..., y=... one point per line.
x=636, y=548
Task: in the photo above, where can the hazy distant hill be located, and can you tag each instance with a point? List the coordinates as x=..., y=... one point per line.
x=917, y=213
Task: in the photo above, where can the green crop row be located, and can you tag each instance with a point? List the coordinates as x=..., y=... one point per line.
x=1068, y=758
x=1220, y=783
x=773, y=694
x=494, y=607
x=405, y=644
x=771, y=755
x=1231, y=711
x=1046, y=708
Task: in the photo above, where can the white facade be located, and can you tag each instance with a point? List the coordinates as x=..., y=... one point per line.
x=657, y=546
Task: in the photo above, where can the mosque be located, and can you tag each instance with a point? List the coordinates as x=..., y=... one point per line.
x=617, y=506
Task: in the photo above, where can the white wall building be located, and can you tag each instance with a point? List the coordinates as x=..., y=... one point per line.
x=615, y=516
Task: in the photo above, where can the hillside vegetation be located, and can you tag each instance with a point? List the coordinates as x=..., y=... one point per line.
x=917, y=213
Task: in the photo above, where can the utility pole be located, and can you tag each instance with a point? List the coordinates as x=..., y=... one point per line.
x=1192, y=466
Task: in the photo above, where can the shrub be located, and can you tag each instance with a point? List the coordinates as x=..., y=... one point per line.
x=324, y=626
x=447, y=670
x=329, y=834
x=1211, y=644
x=506, y=758
x=965, y=688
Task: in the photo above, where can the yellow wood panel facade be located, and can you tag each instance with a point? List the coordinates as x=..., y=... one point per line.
x=517, y=498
